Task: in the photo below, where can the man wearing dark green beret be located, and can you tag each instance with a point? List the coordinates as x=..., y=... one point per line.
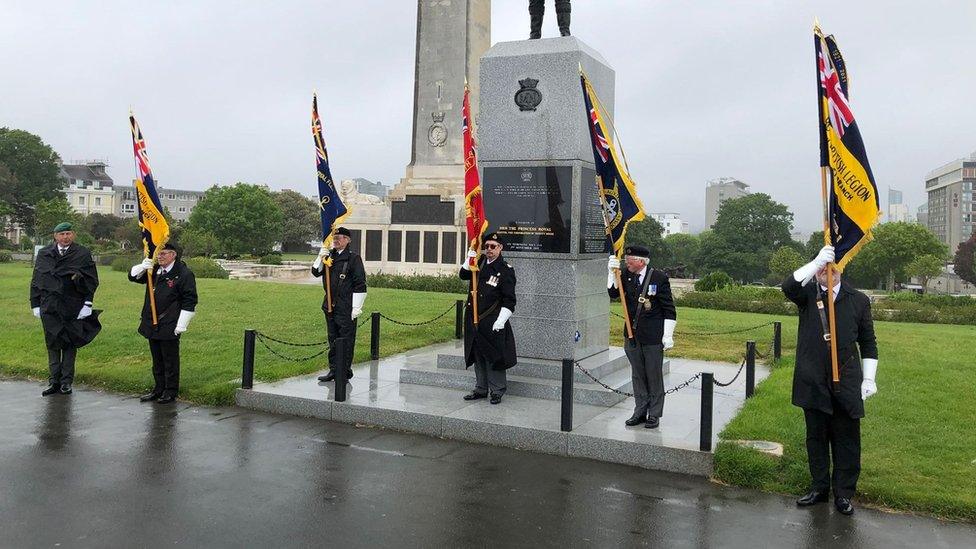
x=61, y=293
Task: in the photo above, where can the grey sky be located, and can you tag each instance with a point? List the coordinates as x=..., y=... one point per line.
x=705, y=89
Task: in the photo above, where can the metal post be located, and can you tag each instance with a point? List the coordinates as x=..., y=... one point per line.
x=247, y=376
x=707, y=388
x=750, y=368
x=374, y=337
x=566, y=408
x=342, y=351
x=777, y=340
x=459, y=319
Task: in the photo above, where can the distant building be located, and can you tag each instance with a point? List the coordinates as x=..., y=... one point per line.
x=897, y=209
x=179, y=202
x=951, y=210
x=365, y=186
x=922, y=215
x=719, y=190
x=671, y=222
x=88, y=188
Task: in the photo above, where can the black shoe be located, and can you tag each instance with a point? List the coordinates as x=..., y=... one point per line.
x=495, y=398
x=474, y=395
x=65, y=388
x=349, y=374
x=149, y=397
x=327, y=377
x=844, y=506
x=635, y=419
x=812, y=498
x=652, y=423
x=52, y=389
x=166, y=399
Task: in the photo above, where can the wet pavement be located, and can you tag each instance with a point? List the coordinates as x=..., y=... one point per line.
x=100, y=470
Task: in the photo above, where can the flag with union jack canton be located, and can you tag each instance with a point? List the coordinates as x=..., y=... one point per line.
x=852, y=205
x=618, y=194
x=155, y=228
x=331, y=208
x=474, y=207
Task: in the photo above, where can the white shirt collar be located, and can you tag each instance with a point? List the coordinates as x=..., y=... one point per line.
x=642, y=274
x=836, y=289
x=166, y=269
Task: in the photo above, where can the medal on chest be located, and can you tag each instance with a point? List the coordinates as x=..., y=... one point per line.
x=492, y=280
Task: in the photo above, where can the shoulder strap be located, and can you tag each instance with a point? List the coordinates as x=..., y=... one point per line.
x=821, y=309
x=641, y=297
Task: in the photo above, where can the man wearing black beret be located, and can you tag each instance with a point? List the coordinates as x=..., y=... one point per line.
x=653, y=318
x=347, y=277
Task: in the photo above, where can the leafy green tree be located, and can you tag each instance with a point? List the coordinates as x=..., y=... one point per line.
x=244, y=218
x=813, y=245
x=647, y=233
x=102, y=226
x=784, y=261
x=744, y=236
x=51, y=212
x=129, y=235
x=302, y=221
x=197, y=242
x=925, y=267
x=683, y=251
x=964, y=263
x=895, y=245
x=33, y=175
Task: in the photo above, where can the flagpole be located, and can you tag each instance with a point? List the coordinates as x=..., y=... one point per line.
x=830, y=280
x=145, y=245
x=328, y=283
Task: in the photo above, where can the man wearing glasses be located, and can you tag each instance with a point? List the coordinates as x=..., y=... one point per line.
x=175, y=292
x=490, y=345
x=347, y=277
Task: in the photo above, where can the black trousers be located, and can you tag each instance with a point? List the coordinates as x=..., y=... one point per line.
x=61, y=365
x=165, y=365
x=836, y=434
x=340, y=324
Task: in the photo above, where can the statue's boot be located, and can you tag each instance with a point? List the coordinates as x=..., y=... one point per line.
x=563, y=10
x=537, y=8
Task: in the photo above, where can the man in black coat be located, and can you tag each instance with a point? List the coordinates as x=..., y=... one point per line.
x=653, y=318
x=490, y=345
x=61, y=292
x=175, y=293
x=347, y=275
x=832, y=413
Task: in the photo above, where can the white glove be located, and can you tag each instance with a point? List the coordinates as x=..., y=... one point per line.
x=868, y=386
x=808, y=271
x=503, y=316
x=183, y=322
x=667, y=341
x=323, y=255
x=85, y=311
x=138, y=269
x=357, y=304
x=467, y=259
x=37, y=312
x=612, y=264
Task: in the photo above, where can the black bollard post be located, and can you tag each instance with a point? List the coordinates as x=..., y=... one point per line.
x=750, y=368
x=374, y=337
x=777, y=340
x=341, y=377
x=705, y=442
x=247, y=376
x=566, y=408
x=459, y=319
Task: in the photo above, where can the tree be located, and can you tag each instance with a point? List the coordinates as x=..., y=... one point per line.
x=964, y=263
x=51, y=212
x=647, y=233
x=129, y=235
x=895, y=245
x=682, y=252
x=198, y=242
x=244, y=218
x=813, y=245
x=33, y=169
x=302, y=220
x=784, y=261
x=925, y=267
x=744, y=236
x=102, y=226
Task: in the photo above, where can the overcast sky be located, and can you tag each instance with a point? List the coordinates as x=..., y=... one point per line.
x=705, y=89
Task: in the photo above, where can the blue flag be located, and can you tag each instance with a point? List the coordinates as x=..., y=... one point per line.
x=331, y=208
x=618, y=194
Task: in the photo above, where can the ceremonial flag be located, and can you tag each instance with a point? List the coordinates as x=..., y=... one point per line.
x=331, y=208
x=474, y=207
x=618, y=194
x=155, y=229
x=852, y=202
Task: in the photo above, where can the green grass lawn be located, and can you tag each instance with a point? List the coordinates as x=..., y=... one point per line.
x=919, y=437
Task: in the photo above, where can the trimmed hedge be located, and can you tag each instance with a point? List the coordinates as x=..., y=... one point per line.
x=270, y=259
x=5, y=256
x=714, y=281
x=204, y=267
x=425, y=283
x=122, y=263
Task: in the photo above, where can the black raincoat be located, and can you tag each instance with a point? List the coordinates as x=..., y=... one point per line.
x=496, y=289
x=60, y=286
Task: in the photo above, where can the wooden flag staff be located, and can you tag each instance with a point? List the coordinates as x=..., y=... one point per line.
x=830, y=279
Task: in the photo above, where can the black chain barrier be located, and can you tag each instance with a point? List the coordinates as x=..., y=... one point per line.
x=720, y=384
x=261, y=337
x=735, y=331
x=435, y=319
x=674, y=389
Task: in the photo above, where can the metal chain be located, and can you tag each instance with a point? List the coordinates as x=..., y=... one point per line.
x=265, y=336
x=436, y=318
x=364, y=320
x=289, y=358
x=742, y=365
x=674, y=389
x=736, y=331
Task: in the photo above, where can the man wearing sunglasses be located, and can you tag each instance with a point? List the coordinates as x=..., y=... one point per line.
x=490, y=346
x=653, y=318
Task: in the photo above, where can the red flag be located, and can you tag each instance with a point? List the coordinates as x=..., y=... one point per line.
x=474, y=207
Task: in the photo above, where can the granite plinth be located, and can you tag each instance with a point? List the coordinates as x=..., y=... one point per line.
x=600, y=365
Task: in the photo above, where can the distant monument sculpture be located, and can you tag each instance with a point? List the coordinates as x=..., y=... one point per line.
x=537, y=8
x=351, y=195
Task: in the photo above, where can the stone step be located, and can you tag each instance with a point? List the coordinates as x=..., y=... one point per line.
x=600, y=365
x=531, y=387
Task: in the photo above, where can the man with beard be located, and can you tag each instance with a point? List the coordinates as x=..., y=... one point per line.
x=61, y=292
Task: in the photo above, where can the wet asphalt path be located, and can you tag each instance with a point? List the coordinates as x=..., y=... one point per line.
x=101, y=470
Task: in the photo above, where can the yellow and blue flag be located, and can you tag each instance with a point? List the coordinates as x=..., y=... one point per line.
x=852, y=203
x=331, y=208
x=618, y=194
x=155, y=229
